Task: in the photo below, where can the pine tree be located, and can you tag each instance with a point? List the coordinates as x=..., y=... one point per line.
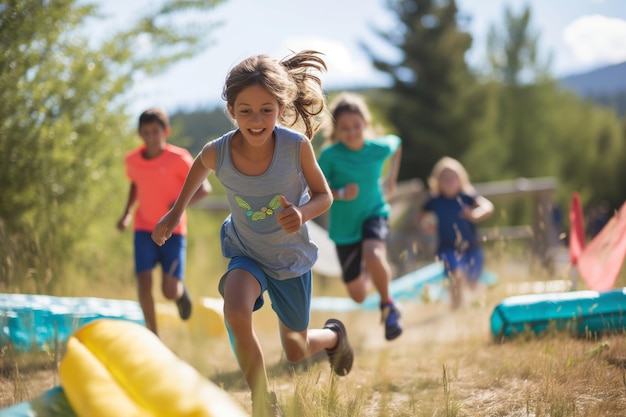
x=432, y=102
x=537, y=129
x=526, y=96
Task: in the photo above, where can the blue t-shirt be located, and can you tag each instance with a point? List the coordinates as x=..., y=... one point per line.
x=454, y=232
x=342, y=166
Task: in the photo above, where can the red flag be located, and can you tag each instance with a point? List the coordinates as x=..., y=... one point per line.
x=601, y=261
x=576, y=229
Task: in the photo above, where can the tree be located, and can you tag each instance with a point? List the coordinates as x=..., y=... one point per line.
x=525, y=97
x=513, y=51
x=432, y=101
x=193, y=129
x=64, y=125
x=536, y=129
x=591, y=151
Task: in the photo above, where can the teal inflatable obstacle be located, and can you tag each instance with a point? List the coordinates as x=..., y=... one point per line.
x=43, y=322
x=411, y=287
x=52, y=403
x=580, y=312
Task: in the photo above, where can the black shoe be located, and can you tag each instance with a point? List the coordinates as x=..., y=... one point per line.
x=266, y=408
x=341, y=356
x=184, y=305
x=390, y=315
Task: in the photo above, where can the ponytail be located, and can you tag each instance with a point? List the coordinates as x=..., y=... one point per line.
x=310, y=101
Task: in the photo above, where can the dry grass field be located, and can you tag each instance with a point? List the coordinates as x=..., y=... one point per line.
x=445, y=364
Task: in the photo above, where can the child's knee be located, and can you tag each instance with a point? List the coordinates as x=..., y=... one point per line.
x=376, y=253
x=358, y=296
x=237, y=318
x=359, y=288
x=172, y=287
x=294, y=346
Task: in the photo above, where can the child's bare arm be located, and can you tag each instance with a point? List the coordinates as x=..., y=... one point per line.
x=321, y=196
x=427, y=221
x=204, y=190
x=392, y=177
x=196, y=176
x=124, y=221
x=482, y=210
x=291, y=218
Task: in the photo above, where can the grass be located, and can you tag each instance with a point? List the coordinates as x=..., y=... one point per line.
x=446, y=364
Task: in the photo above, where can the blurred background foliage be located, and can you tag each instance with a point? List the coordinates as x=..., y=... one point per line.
x=65, y=126
x=65, y=129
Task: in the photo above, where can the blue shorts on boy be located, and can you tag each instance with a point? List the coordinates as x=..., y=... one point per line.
x=291, y=298
x=171, y=255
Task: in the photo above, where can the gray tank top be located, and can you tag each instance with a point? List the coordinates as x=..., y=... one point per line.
x=251, y=228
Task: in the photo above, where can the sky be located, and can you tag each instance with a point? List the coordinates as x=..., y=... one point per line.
x=579, y=35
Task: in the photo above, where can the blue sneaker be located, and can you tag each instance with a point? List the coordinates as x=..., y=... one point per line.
x=390, y=315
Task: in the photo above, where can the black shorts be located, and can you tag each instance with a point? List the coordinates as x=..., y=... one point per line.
x=350, y=255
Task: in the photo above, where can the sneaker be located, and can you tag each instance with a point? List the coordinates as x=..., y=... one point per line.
x=184, y=305
x=267, y=408
x=341, y=356
x=390, y=315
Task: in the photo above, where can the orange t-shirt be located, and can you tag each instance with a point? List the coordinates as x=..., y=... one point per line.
x=158, y=182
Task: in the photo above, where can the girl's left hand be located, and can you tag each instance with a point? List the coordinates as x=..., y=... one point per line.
x=468, y=213
x=290, y=218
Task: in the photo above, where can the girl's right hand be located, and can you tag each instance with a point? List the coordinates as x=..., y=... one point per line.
x=124, y=222
x=352, y=191
x=163, y=229
x=428, y=223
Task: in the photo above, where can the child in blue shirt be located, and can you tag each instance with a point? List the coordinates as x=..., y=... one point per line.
x=457, y=208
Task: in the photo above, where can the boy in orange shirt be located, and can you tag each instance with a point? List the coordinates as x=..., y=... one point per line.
x=157, y=172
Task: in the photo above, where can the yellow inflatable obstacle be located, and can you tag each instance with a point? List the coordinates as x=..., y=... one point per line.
x=207, y=318
x=119, y=368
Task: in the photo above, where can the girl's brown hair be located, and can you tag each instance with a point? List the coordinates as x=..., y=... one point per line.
x=292, y=81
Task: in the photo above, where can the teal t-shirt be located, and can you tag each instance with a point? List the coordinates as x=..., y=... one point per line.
x=363, y=167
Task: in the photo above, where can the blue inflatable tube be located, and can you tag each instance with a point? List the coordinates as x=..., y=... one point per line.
x=44, y=322
x=409, y=287
x=580, y=312
x=52, y=403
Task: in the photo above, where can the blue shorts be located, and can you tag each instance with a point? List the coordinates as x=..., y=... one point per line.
x=171, y=255
x=469, y=263
x=291, y=298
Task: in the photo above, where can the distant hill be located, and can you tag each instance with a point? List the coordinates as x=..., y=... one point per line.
x=606, y=85
x=599, y=82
